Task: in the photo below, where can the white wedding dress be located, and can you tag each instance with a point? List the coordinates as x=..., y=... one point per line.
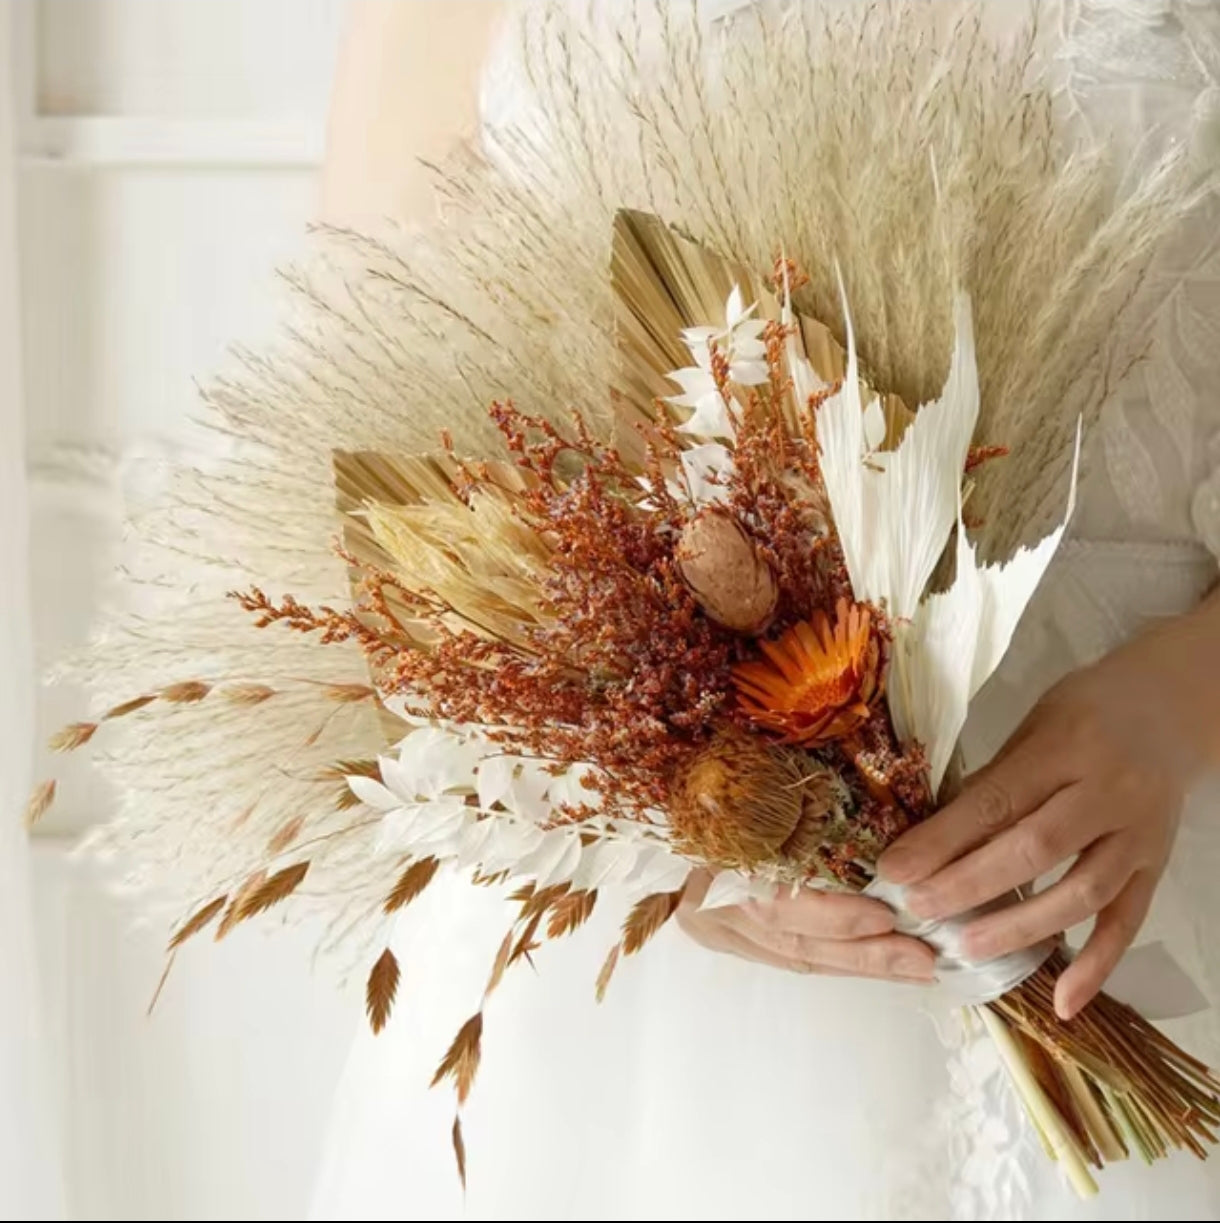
x=706, y=1087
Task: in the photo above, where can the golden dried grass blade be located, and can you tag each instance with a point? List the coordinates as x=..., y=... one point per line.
x=342, y=769
x=75, y=735
x=411, y=883
x=607, y=971
x=152, y=1002
x=349, y=694
x=39, y=803
x=233, y=913
x=381, y=989
x=461, y=1062
x=201, y=918
x=647, y=917
x=480, y=880
x=186, y=693
x=459, y=1150
x=527, y=942
x=538, y=902
x=501, y=963
x=570, y=912
x=126, y=707
x=247, y=694
x=345, y=800
x=277, y=887
x=286, y=834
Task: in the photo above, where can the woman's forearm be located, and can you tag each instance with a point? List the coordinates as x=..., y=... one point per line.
x=406, y=91
x=1177, y=664
x=1201, y=655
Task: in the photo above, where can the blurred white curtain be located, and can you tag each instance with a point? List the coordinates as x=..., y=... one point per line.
x=31, y=1184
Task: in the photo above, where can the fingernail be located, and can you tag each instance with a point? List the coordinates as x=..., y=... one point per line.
x=1065, y=1005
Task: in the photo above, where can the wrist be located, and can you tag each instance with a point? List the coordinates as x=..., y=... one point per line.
x=1190, y=649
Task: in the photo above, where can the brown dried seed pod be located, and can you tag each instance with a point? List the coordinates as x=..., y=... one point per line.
x=731, y=582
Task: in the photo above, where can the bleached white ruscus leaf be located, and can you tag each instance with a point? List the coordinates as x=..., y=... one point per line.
x=739, y=341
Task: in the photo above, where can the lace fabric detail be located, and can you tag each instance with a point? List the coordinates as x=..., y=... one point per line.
x=1142, y=73
x=990, y=1142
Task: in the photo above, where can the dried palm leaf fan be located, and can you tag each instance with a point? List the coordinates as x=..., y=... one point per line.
x=663, y=285
x=667, y=173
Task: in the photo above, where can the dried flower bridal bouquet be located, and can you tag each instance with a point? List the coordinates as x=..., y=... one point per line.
x=646, y=520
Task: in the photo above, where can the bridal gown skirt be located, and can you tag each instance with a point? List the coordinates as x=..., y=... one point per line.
x=704, y=1087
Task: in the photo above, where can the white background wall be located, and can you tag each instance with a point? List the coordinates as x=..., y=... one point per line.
x=167, y=162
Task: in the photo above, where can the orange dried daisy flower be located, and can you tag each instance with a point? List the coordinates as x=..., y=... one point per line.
x=818, y=680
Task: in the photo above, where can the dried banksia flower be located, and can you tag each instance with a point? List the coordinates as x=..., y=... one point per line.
x=731, y=582
x=818, y=681
x=744, y=803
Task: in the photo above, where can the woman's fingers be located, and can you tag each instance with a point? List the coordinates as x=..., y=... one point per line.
x=994, y=799
x=893, y=956
x=1096, y=879
x=811, y=932
x=1117, y=925
x=825, y=915
x=1053, y=833
x=733, y=942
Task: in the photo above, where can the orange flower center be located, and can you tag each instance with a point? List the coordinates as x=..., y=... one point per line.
x=816, y=681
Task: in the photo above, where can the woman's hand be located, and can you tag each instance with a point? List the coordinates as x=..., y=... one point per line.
x=814, y=932
x=1097, y=773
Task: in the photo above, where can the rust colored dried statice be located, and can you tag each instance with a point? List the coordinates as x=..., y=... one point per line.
x=776, y=491
x=627, y=672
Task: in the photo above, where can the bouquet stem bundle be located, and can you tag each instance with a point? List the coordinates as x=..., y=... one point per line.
x=1111, y=1081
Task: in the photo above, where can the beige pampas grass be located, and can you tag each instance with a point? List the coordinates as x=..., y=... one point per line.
x=910, y=149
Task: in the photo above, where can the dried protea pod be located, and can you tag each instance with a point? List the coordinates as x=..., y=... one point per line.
x=745, y=803
x=731, y=582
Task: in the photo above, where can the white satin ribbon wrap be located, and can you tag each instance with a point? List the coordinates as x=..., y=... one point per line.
x=1147, y=978
x=959, y=981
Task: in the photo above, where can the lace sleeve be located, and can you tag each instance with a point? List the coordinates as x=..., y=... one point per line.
x=1140, y=73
